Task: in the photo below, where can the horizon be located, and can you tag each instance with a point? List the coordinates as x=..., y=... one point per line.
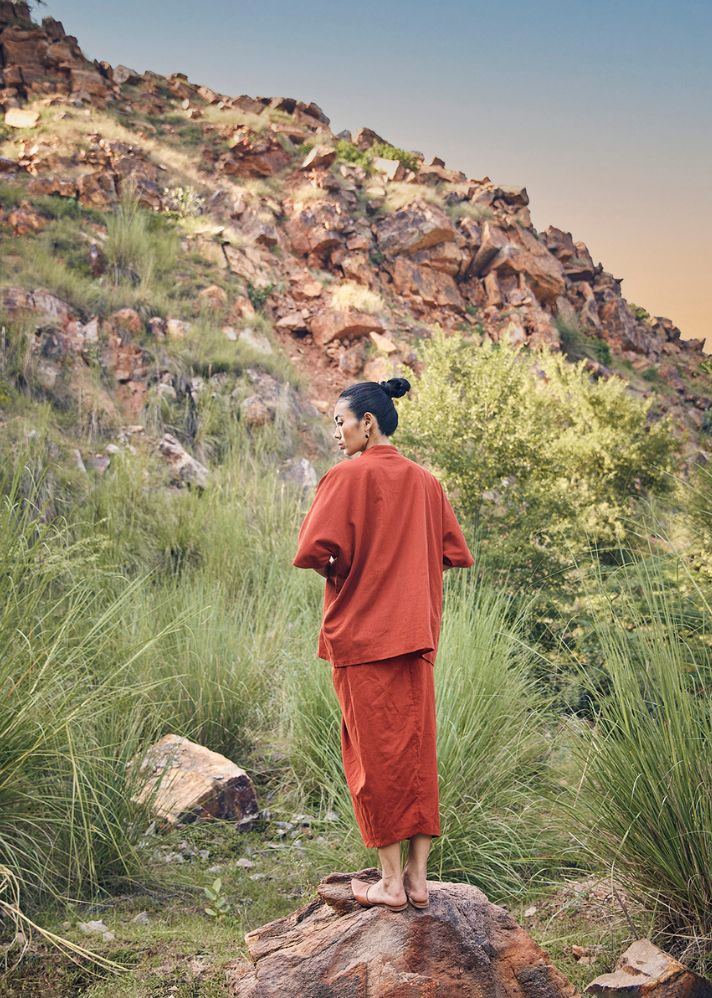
x=605, y=136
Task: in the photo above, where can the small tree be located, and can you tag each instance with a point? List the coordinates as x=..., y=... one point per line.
x=545, y=461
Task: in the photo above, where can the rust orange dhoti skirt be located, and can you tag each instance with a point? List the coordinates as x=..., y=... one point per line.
x=388, y=746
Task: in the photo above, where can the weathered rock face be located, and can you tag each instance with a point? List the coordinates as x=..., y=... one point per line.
x=251, y=155
x=516, y=251
x=643, y=969
x=462, y=946
x=432, y=287
x=332, y=325
x=414, y=228
x=316, y=230
x=44, y=60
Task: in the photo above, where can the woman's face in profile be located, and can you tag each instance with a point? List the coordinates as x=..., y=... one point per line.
x=348, y=431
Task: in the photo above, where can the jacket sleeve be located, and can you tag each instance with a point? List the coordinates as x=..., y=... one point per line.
x=327, y=531
x=456, y=553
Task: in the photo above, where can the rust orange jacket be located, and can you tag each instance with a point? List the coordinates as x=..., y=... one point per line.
x=381, y=531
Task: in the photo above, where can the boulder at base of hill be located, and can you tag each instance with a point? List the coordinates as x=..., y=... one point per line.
x=643, y=969
x=194, y=782
x=461, y=946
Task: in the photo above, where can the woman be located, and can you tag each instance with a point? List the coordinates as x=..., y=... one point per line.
x=381, y=531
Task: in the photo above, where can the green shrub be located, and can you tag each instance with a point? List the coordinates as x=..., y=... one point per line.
x=638, y=312
x=350, y=153
x=546, y=461
x=258, y=295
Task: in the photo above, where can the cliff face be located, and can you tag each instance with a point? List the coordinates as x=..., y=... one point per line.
x=351, y=248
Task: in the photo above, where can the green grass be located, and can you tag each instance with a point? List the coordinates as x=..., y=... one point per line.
x=140, y=247
x=577, y=344
x=644, y=809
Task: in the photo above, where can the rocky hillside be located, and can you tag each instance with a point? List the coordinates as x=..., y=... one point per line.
x=340, y=249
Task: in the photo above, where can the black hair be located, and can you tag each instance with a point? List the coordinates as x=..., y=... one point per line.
x=377, y=397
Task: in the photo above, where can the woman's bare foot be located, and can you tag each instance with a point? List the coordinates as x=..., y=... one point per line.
x=414, y=882
x=387, y=893
x=383, y=892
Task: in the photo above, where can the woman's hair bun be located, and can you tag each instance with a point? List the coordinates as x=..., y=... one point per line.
x=395, y=387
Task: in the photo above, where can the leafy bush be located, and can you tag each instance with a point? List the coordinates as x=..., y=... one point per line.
x=545, y=461
x=638, y=312
x=350, y=153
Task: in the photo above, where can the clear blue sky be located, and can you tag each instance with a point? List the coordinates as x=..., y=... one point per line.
x=602, y=110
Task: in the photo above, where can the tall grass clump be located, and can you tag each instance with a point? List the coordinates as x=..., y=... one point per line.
x=644, y=809
x=69, y=718
x=493, y=747
x=217, y=559
x=140, y=248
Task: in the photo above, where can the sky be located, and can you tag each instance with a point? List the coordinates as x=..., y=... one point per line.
x=602, y=109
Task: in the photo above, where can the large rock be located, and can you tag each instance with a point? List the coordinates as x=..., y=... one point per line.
x=21, y=117
x=518, y=251
x=577, y=261
x=339, y=324
x=432, y=287
x=185, y=468
x=42, y=302
x=316, y=229
x=414, y=228
x=188, y=781
x=461, y=946
x=253, y=156
x=644, y=970
x=319, y=156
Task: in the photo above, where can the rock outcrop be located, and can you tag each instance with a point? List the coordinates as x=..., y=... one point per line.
x=461, y=946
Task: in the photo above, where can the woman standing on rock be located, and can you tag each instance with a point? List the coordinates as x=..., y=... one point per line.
x=381, y=531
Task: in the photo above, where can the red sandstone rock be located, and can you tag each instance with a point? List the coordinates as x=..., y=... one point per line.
x=431, y=286
x=333, y=325
x=41, y=186
x=319, y=156
x=414, y=228
x=644, y=970
x=316, y=229
x=253, y=156
x=462, y=946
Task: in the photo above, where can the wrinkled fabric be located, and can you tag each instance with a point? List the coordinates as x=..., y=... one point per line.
x=388, y=736
x=381, y=531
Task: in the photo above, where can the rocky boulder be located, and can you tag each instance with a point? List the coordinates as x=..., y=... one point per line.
x=317, y=229
x=643, y=969
x=414, y=228
x=430, y=286
x=253, y=156
x=186, y=469
x=184, y=781
x=340, y=324
x=461, y=946
x=515, y=250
